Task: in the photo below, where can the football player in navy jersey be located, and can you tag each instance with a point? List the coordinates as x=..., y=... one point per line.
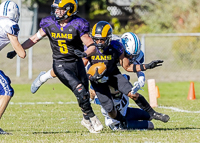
x=110, y=52
x=9, y=17
x=67, y=32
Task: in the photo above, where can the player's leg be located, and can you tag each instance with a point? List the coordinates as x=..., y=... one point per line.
x=6, y=93
x=84, y=80
x=41, y=79
x=69, y=75
x=103, y=93
x=125, y=87
x=138, y=119
x=143, y=104
x=136, y=114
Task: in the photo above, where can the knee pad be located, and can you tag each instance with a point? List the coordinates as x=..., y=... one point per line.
x=83, y=98
x=5, y=87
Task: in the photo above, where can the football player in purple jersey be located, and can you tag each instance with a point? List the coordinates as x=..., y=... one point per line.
x=67, y=32
x=111, y=52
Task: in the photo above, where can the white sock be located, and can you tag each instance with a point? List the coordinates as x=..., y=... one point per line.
x=46, y=76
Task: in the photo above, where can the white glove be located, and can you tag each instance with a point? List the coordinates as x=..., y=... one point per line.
x=103, y=79
x=135, y=88
x=141, y=78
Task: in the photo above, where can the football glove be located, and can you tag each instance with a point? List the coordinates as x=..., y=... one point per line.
x=79, y=53
x=11, y=54
x=103, y=79
x=96, y=76
x=153, y=64
x=135, y=88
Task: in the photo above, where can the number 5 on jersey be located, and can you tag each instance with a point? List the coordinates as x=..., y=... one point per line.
x=63, y=46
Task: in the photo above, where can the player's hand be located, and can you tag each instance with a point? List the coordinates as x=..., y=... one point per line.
x=96, y=76
x=11, y=54
x=153, y=64
x=103, y=79
x=135, y=88
x=80, y=54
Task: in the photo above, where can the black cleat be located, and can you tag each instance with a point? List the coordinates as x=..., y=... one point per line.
x=2, y=132
x=123, y=125
x=159, y=116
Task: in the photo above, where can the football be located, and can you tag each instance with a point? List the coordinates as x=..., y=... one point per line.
x=101, y=68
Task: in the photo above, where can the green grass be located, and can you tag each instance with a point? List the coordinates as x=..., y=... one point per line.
x=60, y=123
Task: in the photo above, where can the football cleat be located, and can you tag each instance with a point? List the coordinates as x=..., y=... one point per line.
x=37, y=83
x=2, y=132
x=159, y=116
x=150, y=125
x=96, y=123
x=88, y=125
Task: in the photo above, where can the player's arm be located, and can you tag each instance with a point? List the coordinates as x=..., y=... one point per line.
x=17, y=46
x=34, y=39
x=136, y=67
x=91, y=48
x=27, y=44
x=125, y=63
x=87, y=40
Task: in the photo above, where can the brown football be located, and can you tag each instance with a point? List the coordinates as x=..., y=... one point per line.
x=101, y=68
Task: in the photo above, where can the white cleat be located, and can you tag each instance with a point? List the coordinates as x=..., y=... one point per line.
x=88, y=125
x=37, y=83
x=96, y=123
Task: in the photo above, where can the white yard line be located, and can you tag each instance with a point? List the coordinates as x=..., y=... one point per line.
x=42, y=103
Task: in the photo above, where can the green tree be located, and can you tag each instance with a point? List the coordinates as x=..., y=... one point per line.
x=163, y=16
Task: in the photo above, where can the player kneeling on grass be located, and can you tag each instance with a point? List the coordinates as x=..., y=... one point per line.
x=9, y=16
x=136, y=118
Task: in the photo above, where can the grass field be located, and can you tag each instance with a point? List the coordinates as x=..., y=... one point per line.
x=53, y=116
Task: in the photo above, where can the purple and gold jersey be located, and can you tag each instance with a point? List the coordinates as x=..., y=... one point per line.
x=110, y=56
x=64, y=40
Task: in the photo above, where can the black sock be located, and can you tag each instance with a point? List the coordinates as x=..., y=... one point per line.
x=86, y=117
x=143, y=104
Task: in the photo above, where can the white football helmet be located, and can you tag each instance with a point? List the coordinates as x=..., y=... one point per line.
x=131, y=44
x=11, y=10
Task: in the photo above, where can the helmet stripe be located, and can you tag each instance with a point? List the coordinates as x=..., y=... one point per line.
x=94, y=30
x=63, y=3
x=5, y=8
x=105, y=30
x=136, y=43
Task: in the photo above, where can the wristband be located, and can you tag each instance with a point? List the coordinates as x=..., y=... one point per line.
x=142, y=67
x=134, y=68
x=39, y=35
x=93, y=44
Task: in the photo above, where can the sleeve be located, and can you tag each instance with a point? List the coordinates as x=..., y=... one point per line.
x=85, y=28
x=12, y=29
x=46, y=22
x=118, y=46
x=42, y=25
x=140, y=58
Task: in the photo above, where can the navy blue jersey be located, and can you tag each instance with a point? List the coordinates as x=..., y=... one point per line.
x=110, y=57
x=64, y=40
